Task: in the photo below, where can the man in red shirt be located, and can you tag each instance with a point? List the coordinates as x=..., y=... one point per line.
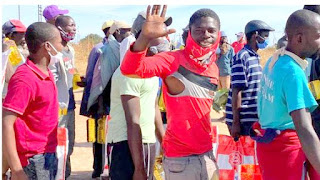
x=239, y=44
x=30, y=109
x=190, y=78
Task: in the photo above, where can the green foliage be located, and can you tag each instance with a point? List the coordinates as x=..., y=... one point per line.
x=92, y=38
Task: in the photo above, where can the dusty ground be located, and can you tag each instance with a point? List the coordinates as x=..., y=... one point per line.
x=82, y=158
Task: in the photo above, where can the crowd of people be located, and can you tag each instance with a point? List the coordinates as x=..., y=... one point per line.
x=153, y=98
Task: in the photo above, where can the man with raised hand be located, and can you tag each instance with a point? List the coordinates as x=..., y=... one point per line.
x=190, y=78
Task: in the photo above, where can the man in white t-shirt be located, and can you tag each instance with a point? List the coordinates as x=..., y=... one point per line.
x=135, y=116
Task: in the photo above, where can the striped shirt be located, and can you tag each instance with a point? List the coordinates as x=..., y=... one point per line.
x=245, y=74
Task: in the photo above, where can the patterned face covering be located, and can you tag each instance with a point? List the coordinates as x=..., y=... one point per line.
x=200, y=54
x=66, y=36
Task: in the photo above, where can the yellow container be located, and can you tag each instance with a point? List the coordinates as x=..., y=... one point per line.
x=63, y=112
x=76, y=78
x=91, y=130
x=101, y=138
x=314, y=86
x=14, y=56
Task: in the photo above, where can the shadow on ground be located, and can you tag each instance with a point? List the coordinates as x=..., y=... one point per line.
x=83, y=144
x=80, y=175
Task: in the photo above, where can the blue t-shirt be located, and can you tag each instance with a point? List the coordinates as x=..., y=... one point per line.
x=245, y=74
x=224, y=62
x=284, y=89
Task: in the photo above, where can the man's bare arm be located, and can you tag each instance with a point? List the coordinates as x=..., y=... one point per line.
x=236, y=105
x=308, y=137
x=9, y=143
x=131, y=106
x=158, y=123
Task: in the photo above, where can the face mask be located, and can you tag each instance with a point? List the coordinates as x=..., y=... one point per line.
x=264, y=44
x=198, y=53
x=66, y=36
x=54, y=58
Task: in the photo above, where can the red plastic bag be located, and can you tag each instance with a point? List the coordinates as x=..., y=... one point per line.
x=62, y=152
x=236, y=159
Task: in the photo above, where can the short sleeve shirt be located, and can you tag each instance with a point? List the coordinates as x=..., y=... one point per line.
x=33, y=96
x=146, y=90
x=245, y=74
x=284, y=89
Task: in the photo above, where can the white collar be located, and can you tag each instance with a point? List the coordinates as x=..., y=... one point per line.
x=280, y=52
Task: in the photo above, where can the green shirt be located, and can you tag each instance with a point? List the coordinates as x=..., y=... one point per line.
x=146, y=90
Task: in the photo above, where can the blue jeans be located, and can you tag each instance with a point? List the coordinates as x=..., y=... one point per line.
x=42, y=167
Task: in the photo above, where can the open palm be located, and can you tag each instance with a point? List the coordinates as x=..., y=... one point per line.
x=154, y=26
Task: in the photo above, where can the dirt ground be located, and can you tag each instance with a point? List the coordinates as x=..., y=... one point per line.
x=82, y=158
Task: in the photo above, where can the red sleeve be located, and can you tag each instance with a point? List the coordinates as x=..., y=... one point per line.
x=161, y=65
x=18, y=97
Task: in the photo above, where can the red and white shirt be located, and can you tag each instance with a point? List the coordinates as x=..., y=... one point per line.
x=188, y=113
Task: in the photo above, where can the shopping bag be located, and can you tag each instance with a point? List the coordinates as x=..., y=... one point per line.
x=91, y=130
x=62, y=152
x=235, y=159
x=105, y=172
x=250, y=171
x=314, y=87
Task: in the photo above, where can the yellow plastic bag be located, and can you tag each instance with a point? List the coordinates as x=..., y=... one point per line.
x=101, y=138
x=14, y=56
x=314, y=86
x=91, y=130
x=76, y=78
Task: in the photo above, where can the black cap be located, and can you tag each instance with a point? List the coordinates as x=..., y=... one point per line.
x=257, y=25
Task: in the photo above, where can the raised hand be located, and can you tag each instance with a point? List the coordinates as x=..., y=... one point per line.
x=154, y=27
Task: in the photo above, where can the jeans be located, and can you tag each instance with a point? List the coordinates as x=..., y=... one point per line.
x=42, y=167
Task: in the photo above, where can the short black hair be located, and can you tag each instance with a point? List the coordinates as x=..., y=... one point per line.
x=38, y=33
x=249, y=35
x=203, y=13
x=62, y=20
x=300, y=21
x=314, y=8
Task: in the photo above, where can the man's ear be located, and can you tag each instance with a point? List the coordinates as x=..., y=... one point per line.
x=47, y=46
x=299, y=38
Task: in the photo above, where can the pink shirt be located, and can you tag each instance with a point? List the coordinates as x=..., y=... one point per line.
x=33, y=96
x=188, y=131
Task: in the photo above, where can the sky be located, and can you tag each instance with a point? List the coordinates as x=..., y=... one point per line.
x=89, y=18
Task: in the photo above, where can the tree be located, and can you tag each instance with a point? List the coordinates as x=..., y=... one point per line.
x=92, y=39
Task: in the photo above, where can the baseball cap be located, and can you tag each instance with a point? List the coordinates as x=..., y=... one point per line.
x=107, y=24
x=141, y=18
x=118, y=25
x=223, y=34
x=52, y=11
x=13, y=25
x=239, y=34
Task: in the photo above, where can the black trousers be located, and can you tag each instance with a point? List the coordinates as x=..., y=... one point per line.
x=98, y=155
x=121, y=164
